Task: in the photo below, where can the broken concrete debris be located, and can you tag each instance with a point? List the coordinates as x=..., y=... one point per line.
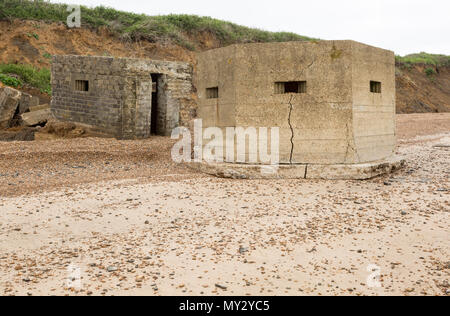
x=21, y=116
x=27, y=101
x=13, y=104
x=9, y=101
x=38, y=107
x=36, y=118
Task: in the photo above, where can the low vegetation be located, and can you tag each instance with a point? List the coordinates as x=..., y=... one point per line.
x=10, y=81
x=180, y=29
x=430, y=72
x=173, y=28
x=425, y=59
x=16, y=75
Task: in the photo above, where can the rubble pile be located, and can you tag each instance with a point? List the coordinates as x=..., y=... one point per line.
x=21, y=115
x=21, y=109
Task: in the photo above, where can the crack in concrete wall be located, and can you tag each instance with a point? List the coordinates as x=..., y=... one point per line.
x=350, y=146
x=291, y=108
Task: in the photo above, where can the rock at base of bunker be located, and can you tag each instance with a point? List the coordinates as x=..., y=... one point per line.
x=37, y=117
x=23, y=134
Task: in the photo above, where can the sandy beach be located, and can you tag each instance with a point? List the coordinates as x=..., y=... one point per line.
x=106, y=217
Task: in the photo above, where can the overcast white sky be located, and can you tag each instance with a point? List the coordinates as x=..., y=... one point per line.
x=404, y=26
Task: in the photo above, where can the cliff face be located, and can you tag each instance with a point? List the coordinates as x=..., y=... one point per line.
x=419, y=89
x=32, y=42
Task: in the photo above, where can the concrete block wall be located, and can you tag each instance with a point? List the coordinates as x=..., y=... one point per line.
x=119, y=100
x=100, y=107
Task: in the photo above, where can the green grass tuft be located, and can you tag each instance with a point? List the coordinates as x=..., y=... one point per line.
x=37, y=78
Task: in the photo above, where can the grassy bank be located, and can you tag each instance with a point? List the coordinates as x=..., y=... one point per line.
x=425, y=59
x=15, y=75
x=173, y=28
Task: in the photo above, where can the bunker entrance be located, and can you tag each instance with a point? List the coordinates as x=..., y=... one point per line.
x=155, y=114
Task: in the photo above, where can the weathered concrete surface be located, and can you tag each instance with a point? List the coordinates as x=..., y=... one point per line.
x=363, y=171
x=337, y=121
x=36, y=117
x=298, y=171
x=247, y=171
x=119, y=99
x=26, y=102
x=9, y=101
x=38, y=107
x=373, y=121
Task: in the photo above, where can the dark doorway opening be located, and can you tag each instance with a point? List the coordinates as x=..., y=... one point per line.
x=154, y=115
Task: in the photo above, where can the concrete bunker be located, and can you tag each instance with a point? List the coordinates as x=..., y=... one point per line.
x=333, y=101
x=122, y=97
